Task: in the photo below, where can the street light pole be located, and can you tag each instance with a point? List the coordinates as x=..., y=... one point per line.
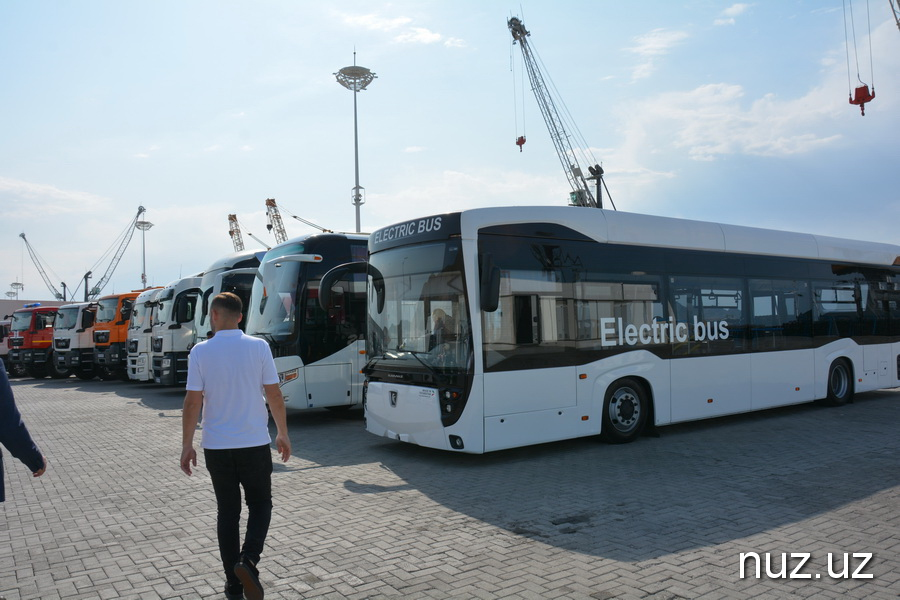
x=143, y=226
x=355, y=79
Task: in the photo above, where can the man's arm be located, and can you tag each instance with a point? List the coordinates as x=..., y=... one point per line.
x=279, y=415
x=193, y=402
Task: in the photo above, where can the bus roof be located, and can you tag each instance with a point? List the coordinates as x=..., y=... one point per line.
x=650, y=230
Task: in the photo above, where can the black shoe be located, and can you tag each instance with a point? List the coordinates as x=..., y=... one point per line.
x=248, y=574
x=234, y=592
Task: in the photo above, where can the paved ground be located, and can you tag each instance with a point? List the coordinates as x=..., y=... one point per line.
x=362, y=517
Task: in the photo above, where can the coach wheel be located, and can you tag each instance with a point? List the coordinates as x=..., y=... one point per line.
x=840, y=383
x=624, y=411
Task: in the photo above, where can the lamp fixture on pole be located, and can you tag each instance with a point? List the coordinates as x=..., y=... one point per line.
x=143, y=226
x=355, y=79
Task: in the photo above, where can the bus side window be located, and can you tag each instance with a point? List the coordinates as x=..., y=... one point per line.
x=526, y=319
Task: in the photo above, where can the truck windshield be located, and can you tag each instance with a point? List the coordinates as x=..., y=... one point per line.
x=274, y=295
x=164, y=303
x=67, y=318
x=106, y=310
x=140, y=316
x=424, y=321
x=21, y=321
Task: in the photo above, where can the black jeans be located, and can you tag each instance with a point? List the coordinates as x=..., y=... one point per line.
x=229, y=470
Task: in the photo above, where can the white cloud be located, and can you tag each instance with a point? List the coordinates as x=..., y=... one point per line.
x=652, y=45
x=376, y=23
x=726, y=17
x=418, y=35
x=406, y=34
x=52, y=199
x=414, y=149
x=657, y=42
x=710, y=122
x=735, y=10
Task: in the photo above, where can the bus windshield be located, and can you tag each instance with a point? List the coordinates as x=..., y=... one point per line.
x=275, y=299
x=420, y=316
x=67, y=318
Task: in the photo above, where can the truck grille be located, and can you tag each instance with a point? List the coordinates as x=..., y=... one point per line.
x=62, y=343
x=101, y=337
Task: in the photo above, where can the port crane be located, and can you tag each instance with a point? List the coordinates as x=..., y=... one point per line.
x=581, y=194
x=275, y=225
x=124, y=240
x=40, y=267
x=234, y=230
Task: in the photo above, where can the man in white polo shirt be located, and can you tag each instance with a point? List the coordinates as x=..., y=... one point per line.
x=227, y=376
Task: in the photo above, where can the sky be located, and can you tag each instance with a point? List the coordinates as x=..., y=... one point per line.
x=717, y=111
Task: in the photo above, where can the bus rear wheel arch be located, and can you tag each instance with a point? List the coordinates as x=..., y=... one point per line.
x=840, y=383
x=625, y=410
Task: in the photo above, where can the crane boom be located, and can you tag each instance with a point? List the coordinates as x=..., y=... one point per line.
x=126, y=238
x=581, y=192
x=234, y=230
x=40, y=268
x=276, y=225
x=895, y=8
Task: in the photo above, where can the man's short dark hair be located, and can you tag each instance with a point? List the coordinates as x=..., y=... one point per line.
x=228, y=302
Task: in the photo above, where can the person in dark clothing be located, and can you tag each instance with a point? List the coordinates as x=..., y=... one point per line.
x=14, y=435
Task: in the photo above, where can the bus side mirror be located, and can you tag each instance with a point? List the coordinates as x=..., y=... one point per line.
x=490, y=284
x=330, y=279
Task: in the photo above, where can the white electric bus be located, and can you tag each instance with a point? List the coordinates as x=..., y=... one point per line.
x=319, y=352
x=502, y=327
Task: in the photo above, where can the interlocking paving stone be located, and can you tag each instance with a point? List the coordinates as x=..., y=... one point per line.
x=362, y=517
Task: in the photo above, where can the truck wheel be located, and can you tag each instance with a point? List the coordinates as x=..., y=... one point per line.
x=36, y=371
x=55, y=371
x=16, y=370
x=624, y=411
x=105, y=373
x=85, y=375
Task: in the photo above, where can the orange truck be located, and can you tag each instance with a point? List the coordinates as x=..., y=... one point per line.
x=111, y=335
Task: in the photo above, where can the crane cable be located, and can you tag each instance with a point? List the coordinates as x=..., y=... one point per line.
x=856, y=53
x=520, y=139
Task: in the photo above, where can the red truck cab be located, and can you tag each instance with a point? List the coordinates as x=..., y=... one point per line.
x=31, y=342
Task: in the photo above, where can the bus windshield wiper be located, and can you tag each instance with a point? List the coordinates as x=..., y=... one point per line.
x=431, y=368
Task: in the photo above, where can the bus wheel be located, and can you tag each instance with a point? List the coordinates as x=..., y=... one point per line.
x=840, y=383
x=624, y=411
